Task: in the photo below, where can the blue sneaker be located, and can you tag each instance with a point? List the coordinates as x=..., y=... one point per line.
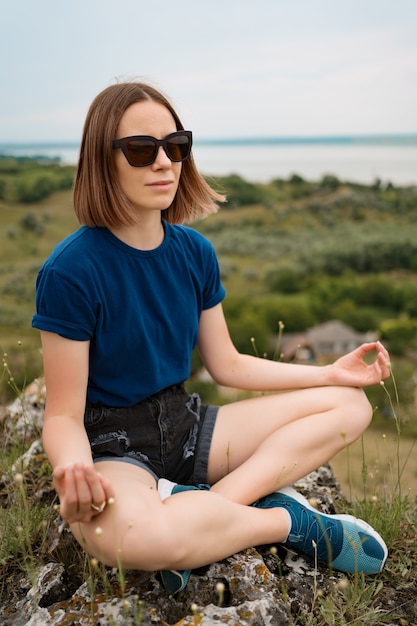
x=344, y=542
x=173, y=580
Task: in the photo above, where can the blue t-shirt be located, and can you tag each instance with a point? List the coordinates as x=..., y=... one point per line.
x=140, y=309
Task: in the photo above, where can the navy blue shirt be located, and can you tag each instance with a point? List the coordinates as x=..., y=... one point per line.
x=140, y=309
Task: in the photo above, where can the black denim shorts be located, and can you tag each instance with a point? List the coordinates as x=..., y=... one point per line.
x=169, y=434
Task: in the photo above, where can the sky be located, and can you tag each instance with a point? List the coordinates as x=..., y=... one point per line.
x=232, y=68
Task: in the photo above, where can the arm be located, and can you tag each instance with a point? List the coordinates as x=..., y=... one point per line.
x=230, y=368
x=64, y=437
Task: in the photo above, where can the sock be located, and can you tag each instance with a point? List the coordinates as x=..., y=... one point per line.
x=289, y=524
x=165, y=488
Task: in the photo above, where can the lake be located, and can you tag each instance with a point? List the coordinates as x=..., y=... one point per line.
x=353, y=161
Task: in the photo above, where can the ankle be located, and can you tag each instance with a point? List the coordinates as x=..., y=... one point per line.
x=281, y=523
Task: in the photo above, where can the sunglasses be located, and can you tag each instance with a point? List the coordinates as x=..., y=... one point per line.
x=142, y=150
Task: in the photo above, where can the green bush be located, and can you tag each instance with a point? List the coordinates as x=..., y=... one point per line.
x=33, y=188
x=240, y=192
x=400, y=334
x=32, y=224
x=287, y=279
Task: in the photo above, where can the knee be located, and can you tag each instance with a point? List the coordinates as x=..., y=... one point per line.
x=148, y=544
x=357, y=413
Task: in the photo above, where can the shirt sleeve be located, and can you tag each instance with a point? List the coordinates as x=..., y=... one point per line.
x=62, y=307
x=214, y=291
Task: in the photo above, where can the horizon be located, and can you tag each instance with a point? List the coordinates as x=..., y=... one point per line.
x=401, y=138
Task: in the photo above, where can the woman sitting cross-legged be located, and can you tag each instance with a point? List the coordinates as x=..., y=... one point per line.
x=175, y=484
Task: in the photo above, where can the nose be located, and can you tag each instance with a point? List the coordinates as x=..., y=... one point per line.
x=162, y=160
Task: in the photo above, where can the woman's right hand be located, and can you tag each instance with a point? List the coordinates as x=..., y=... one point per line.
x=83, y=492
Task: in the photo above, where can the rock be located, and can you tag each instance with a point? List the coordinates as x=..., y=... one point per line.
x=254, y=587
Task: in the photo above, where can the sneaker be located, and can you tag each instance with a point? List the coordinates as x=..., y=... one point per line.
x=173, y=580
x=344, y=542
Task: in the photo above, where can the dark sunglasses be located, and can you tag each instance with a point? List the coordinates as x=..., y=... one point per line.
x=141, y=150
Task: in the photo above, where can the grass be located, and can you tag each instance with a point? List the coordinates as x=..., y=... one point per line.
x=22, y=252
x=369, y=466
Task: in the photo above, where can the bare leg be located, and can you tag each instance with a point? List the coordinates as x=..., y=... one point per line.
x=187, y=530
x=258, y=446
x=265, y=443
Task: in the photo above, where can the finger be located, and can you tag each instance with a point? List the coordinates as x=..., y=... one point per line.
x=68, y=496
x=95, y=483
x=107, y=486
x=85, y=497
x=382, y=349
x=384, y=365
x=364, y=349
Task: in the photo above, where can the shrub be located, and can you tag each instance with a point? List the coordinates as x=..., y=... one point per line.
x=31, y=223
x=287, y=279
x=400, y=334
x=240, y=192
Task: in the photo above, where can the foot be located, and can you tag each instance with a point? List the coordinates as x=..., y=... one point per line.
x=173, y=580
x=344, y=542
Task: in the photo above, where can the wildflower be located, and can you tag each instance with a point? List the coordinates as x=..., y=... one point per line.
x=342, y=584
x=18, y=478
x=220, y=588
x=94, y=563
x=273, y=550
x=194, y=607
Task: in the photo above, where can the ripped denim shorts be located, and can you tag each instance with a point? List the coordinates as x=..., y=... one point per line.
x=169, y=434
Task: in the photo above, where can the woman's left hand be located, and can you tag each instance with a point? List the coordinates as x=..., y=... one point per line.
x=352, y=370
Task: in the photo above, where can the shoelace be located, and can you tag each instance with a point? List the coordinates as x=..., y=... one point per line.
x=315, y=531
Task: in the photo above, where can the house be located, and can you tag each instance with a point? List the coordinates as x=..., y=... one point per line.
x=324, y=342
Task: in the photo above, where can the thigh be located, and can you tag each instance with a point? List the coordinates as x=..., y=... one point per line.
x=242, y=426
x=135, y=509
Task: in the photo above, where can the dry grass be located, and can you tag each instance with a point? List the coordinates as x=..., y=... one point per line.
x=370, y=467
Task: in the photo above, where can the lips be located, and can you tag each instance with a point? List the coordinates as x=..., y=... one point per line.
x=161, y=184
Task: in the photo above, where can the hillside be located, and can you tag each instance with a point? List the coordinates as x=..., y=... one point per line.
x=291, y=251
x=293, y=254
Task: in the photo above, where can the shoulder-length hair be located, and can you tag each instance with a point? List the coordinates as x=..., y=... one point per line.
x=98, y=196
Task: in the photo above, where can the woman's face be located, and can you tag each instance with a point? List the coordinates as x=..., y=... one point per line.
x=152, y=187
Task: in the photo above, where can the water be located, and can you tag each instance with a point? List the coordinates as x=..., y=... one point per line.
x=349, y=160
x=362, y=164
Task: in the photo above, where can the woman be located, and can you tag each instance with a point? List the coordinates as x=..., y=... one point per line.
x=170, y=483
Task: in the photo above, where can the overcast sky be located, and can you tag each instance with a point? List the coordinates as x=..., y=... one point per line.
x=231, y=67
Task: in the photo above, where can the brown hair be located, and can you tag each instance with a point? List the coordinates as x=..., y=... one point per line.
x=98, y=197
